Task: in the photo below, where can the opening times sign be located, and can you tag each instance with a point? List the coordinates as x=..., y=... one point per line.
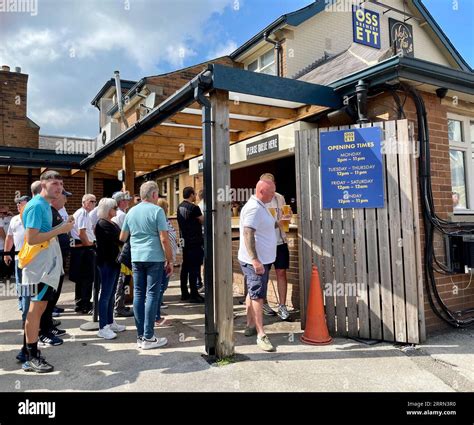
x=352, y=168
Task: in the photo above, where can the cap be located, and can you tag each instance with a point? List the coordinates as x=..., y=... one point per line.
x=66, y=193
x=22, y=198
x=121, y=196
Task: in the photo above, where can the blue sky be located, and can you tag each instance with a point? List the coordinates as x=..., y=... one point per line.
x=71, y=47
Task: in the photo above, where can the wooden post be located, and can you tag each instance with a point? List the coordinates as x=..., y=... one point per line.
x=128, y=165
x=223, y=278
x=89, y=181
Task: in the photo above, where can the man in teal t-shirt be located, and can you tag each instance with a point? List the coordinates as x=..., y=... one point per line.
x=37, y=219
x=151, y=251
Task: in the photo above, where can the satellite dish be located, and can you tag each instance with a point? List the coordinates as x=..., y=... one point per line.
x=150, y=101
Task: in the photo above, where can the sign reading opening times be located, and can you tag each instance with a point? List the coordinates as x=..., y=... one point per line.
x=352, y=169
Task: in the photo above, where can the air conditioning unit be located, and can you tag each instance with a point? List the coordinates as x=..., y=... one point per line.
x=109, y=132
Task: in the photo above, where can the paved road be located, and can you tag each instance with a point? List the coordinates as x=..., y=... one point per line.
x=87, y=363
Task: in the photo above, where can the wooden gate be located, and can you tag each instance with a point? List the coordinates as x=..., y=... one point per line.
x=369, y=259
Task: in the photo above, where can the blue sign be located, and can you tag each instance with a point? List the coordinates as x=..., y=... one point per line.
x=352, y=168
x=366, y=27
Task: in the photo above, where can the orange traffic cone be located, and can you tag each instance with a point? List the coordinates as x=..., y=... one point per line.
x=316, y=332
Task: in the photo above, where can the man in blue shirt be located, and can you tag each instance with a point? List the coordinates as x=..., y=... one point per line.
x=37, y=220
x=151, y=251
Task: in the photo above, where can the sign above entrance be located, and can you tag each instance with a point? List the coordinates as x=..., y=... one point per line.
x=401, y=37
x=262, y=147
x=366, y=27
x=352, y=169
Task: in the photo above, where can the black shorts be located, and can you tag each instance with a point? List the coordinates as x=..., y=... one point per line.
x=42, y=292
x=282, y=260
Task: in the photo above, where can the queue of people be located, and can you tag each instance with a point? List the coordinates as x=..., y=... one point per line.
x=140, y=242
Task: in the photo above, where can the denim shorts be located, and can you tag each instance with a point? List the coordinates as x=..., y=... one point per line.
x=257, y=284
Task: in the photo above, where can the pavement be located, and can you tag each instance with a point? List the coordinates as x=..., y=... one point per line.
x=85, y=362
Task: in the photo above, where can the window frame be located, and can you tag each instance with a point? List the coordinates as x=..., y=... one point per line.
x=261, y=68
x=466, y=146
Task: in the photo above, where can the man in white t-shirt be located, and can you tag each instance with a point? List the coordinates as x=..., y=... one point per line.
x=257, y=252
x=16, y=237
x=123, y=200
x=282, y=261
x=5, y=217
x=81, y=271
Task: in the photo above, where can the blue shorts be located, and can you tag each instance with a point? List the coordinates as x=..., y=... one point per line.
x=257, y=284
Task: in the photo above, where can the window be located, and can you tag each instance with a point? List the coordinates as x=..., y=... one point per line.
x=461, y=155
x=264, y=63
x=176, y=192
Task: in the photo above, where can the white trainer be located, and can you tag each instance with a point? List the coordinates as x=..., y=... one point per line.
x=107, y=333
x=139, y=342
x=148, y=344
x=116, y=327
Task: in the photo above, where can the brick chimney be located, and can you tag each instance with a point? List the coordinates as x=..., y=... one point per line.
x=16, y=129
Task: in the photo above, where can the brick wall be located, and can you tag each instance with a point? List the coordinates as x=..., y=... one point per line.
x=17, y=129
x=10, y=183
x=454, y=290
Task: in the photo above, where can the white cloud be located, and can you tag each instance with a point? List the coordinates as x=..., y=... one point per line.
x=71, y=48
x=223, y=49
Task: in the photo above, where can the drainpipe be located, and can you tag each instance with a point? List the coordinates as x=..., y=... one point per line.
x=277, y=46
x=361, y=93
x=210, y=329
x=118, y=89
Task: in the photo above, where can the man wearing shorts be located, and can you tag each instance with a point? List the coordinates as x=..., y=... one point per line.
x=41, y=270
x=257, y=252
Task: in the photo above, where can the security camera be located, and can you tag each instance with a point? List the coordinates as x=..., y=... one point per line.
x=441, y=92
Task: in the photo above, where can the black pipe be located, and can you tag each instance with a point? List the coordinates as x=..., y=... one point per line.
x=361, y=93
x=209, y=323
x=277, y=46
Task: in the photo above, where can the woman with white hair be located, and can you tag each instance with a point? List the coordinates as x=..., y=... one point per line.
x=108, y=248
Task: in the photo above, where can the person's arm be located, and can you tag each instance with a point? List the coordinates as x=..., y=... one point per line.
x=165, y=242
x=2, y=232
x=249, y=240
x=7, y=248
x=34, y=237
x=124, y=235
x=83, y=237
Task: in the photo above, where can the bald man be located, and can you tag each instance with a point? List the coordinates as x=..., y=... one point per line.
x=257, y=252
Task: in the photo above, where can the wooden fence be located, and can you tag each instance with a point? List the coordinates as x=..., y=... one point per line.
x=369, y=258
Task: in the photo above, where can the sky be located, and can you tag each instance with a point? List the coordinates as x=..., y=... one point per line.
x=70, y=48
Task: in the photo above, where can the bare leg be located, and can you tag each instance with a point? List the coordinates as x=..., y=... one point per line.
x=257, y=307
x=33, y=320
x=250, y=315
x=282, y=284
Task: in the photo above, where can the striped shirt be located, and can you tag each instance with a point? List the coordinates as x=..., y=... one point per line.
x=173, y=239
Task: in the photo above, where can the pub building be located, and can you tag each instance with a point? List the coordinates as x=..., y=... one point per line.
x=398, y=266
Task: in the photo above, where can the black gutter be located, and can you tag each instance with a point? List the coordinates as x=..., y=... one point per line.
x=210, y=330
x=28, y=157
x=174, y=104
x=418, y=70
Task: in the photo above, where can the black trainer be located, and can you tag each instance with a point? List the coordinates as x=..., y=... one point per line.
x=196, y=299
x=57, y=332
x=50, y=340
x=185, y=297
x=38, y=365
x=124, y=313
